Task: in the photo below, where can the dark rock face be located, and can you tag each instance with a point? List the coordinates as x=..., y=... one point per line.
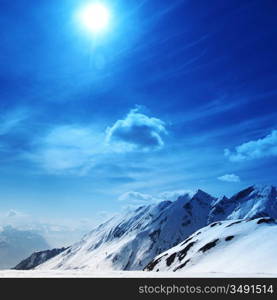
x=170, y=259
x=243, y=193
x=234, y=223
x=153, y=263
x=38, y=258
x=182, y=265
x=266, y=220
x=182, y=254
x=215, y=224
x=187, y=240
x=208, y=246
x=229, y=238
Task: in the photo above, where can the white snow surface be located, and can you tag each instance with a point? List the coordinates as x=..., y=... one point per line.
x=126, y=274
x=241, y=247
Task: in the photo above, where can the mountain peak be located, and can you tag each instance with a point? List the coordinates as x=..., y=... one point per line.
x=264, y=188
x=200, y=192
x=257, y=190
x=203, y=196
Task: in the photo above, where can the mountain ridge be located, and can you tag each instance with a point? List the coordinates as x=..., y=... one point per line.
x=131, y=240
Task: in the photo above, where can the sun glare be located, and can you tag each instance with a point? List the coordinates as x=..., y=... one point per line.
x=95, y=17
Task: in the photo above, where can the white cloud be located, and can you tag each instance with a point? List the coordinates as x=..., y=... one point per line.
x=263, y=147
x=136, y=197
x=174, y=195
x=13, y=213
x=141, y=198
x=229, y=178
x=137, y=132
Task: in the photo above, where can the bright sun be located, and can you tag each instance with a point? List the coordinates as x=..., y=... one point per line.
x=95, y=17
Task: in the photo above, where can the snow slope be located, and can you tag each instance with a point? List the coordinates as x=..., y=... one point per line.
x=124, y=274
x=130, y=241
x=241, y=246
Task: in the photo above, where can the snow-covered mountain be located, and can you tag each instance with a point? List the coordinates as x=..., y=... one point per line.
x=16, y=244
x=130, y=241
x=255, y=201
x=236, y=246
x=38, y=258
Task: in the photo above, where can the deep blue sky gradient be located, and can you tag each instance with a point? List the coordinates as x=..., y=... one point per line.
x=205, y=69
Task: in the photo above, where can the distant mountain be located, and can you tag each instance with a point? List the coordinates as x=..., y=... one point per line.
x=240, y=246
x=131, y=240
x=16, y=244
x=38, y=258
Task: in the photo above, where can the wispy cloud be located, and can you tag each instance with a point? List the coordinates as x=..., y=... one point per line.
x=12, y=119
x=67, y=148
x=142, y=198
x=58, y=232
x=229, y=178
x=14, y=213
x=136, y=197
x=137, y=132
x=174, y=195
x=263, y=147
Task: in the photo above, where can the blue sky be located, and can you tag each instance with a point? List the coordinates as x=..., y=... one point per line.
x=171, y=97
